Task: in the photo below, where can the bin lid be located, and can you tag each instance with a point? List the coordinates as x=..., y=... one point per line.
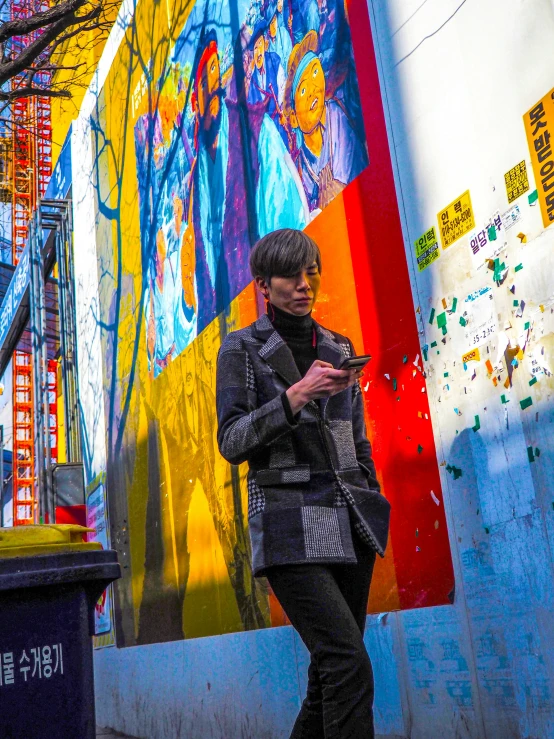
x=30, y=541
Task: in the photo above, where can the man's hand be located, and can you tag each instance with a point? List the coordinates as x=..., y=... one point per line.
x=322, y=380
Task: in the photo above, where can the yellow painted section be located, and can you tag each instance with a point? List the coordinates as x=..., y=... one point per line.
x=80, y=55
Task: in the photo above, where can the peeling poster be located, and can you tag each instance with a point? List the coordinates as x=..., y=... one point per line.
x=480, y=316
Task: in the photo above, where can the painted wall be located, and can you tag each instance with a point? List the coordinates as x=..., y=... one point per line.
x=459, y=81
x=162, y=276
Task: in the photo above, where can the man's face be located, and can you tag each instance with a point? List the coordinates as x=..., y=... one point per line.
x=309, y=99
x=296, y=294
x=273, y=27
x=259, y=52
x=209, y=89
x=280, y=6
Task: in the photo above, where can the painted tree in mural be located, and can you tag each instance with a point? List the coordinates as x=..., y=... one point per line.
x=33, y=44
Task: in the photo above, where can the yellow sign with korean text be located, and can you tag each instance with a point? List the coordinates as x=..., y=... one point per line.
x=456, y=220
x=516, y=181
x=539, y=125
x=426, y=249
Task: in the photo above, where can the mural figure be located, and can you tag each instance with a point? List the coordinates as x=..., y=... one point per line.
x=170, y=294
x=279, y=36
x=304, y=16
x=331, y=152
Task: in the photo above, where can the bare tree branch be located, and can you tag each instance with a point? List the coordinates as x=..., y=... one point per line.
x=24, y=26
x=26, y=92
x=37, y=67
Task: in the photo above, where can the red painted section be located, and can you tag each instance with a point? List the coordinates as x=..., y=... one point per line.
x=419, y=536
x=72, y=514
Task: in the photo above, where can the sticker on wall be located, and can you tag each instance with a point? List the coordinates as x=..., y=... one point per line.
x=516, y=181
x=539, y=121
x=472, y=356
x=456, y=220
x=511, y=216
x=484, y=243
x=426, y=249
x=480, y=316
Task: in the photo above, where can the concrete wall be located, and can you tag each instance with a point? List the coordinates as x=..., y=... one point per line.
x=457, y=79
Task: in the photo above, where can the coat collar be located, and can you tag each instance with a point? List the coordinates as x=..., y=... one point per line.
x=278, y=356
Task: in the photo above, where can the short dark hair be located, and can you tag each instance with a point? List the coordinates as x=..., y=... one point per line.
x=283, y=253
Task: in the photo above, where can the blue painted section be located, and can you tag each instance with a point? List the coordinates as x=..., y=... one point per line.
x=60, y=181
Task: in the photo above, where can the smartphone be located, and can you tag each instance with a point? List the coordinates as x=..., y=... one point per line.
x=355, y=362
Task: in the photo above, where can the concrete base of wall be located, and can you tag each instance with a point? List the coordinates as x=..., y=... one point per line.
x=237, y=686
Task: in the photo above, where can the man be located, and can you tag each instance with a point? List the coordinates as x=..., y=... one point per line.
x=332, y=152
x=315, y=512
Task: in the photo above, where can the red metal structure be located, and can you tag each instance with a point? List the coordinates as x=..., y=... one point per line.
x=31, y=170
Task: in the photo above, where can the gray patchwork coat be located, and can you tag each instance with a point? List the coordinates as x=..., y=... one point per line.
x=311, y=482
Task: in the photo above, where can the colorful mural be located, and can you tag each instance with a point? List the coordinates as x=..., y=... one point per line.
x=230, y=153
x=217, y=123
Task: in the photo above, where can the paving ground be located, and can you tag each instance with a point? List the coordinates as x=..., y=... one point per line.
x=110, y=734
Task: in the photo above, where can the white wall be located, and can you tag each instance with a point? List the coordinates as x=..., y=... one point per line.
x=458, y=77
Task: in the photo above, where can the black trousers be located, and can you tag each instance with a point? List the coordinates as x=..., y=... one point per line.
x=327, y=605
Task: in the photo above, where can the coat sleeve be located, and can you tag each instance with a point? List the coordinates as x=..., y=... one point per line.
x=361, y=442
x=243, y=427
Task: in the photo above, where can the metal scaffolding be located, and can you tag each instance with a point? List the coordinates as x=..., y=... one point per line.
x=52, y=217
x=30, y=172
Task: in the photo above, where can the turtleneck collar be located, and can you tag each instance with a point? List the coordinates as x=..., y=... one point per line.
x=282, y=320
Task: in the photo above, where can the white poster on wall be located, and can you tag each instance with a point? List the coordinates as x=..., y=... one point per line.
x=480, y=316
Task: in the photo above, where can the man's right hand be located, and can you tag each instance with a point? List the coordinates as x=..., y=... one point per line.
x=322, y=380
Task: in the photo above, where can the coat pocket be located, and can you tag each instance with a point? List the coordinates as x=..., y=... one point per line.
x=283, y=475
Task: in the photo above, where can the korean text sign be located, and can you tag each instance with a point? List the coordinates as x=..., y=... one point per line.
x=14, y=294
x=426, y=249
x=456, y=219
x=539, y=124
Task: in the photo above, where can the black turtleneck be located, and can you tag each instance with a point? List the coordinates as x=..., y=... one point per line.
x=298, y=332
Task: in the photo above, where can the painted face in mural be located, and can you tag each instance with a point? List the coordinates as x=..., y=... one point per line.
x=259, y=52
x=273, y=26
x=296, y=294
x=279, y=6
x=309, y=98
x=209, y=99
